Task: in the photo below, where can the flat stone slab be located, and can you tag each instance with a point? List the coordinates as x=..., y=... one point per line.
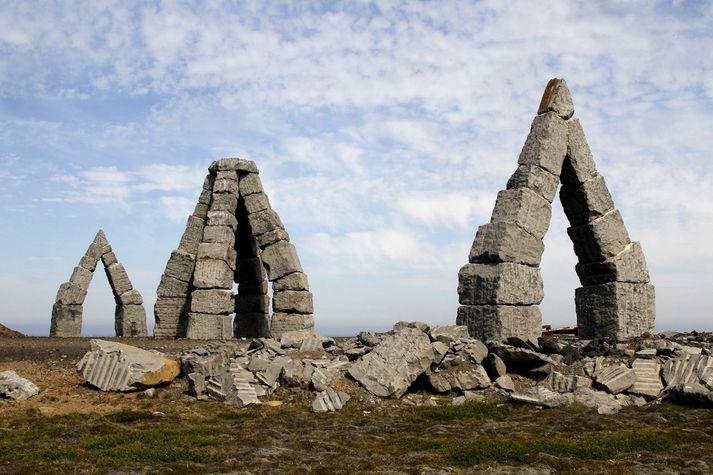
x=15, y=387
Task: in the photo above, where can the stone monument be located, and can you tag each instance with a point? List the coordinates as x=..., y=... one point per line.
x=500, y=288
x=129, y=317
x=233, y=237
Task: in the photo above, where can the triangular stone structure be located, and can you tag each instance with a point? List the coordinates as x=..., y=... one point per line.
x=129, y=316
x=233, y=237
x=500, y=288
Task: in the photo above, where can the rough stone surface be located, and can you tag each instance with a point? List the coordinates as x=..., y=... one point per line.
x=70, y=293
x=251, y=324
x=627, y=266
x=132, y=297
x=585, y=203
x=557, y=99
x=294, y=281
x=449, y=334
x=579, y=164
x=286, y=322
x=15, y=387
x=81, y=276
x=601, y=239
x=192, y=235
x=256, y=202
x=566, y=383
x=202, y=326
x=233, y=387
x=227, y=202
x=536, y=179
x=495, y=366
x=498, y=322
x=499, y=284
x=525, y=208
x=130, y=320
x=546, y=145
x=460, y=377
x=295, y=301
x=541, y=396
x=648, y=378
x=280, y=259
x=222, y=218
x=112, y=366
x=118, y=279
x=234, y=164
x=171, y=287
x=616, y=378
x=264, y=221
x=212, y=274
x=180, y=265
x=66, y=320
x=168, y=313
x=213, y=301
x=616, y=310
x=249, y=184
x=271, y=237
x=329, y=401
x=390, y=368
x=506, y=242
x=220, y=234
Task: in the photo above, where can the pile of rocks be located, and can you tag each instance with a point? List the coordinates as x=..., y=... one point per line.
x=500, y=288
x=233, y=237
x=129, y=317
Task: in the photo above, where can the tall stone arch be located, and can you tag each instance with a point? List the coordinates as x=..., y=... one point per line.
x=233, y=237
x=129, y=316
x=500, y=288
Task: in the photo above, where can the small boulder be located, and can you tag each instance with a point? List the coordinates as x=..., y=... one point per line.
x=541, y=396
x=15, y=387
x=329, y=401
x=461, y=377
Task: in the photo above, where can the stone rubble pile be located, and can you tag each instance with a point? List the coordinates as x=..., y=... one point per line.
x=129, y=316
x=601, y=373
x=233, y=237
x=501, y=286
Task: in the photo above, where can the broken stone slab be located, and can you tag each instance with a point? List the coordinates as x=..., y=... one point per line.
x=232, y=386
x=280, y=259
x=500, y=284
x=213, y=301
x=495, y=366
x=648, y=378
x=569, y=383
x=321, y=378
x=505, y=382
x=449, y=334
x=112, y=366
x=498, y=322
x=541, y=396
x=293, y=301
x=66, y=320
x=180, y=265
x=525, y=208
x=601, y=239
x=627, y=266
x=329, y=401
x=249, y=183
x=579, y=164
x=471, y=350
x=390, y=368
x=546, y=144
x=615, y=378
x=647, y=353
x=118, y=279
x=293, y=374
x=15, y=387
x=520, y=358
x=294, y=281
x=556, y=98
x=233, y=164
x=203, y=326
x=506, y=242
x=196, y=385
x=616, y=310
x=688, y=369
x=461, y=377
x=192, y=235
x=536, y=179
x=600, y=401
x=286, y=322
x=212, y=274
x=585, y=203
x=692, y=394
x=130, y=320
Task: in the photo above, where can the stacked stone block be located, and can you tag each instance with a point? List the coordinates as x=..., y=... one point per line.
x=238, y=239
x=500, y=288
x=129, y=316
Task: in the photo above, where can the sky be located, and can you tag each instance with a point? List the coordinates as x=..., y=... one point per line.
x=383, y=132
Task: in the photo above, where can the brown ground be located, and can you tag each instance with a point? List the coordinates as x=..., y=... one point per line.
x=6, y=332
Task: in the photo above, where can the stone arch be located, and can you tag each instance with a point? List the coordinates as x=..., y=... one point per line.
x=500, y=288
x=129, y=316
x=233, y=237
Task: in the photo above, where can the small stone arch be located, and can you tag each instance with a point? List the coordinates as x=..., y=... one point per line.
x=500, y=288
x=233, y=237
x=129, y=316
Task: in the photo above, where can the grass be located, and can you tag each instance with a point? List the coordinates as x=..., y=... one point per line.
x=290, y=439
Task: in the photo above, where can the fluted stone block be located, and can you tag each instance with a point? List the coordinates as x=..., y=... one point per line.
x=546, y=145
x=506, y=242
x=172, y=287
x=222, y=218
x=70, y=293
x=81, y=277
x=218, y=251
x=257, y=202
x=280, y=259
x=249, y=183
x=585, y=203
x=600, y=239
x=294, y=281
x=293, y=301
x=251, y=325
x=130, y=320
x=209, y=327
x=499, y=322
x=218, y=234
x=285, y=322
x=616, y=310
x=500, y=284
x=118, y=279
x=525, y=208
x=556, y=98
x=579, y=164
x=264, y=221
x=66, y=320
x=233, y=164
x=212, y=301
x=224, y=202
x=535, y=178
x=627, y=266
x=192, y=235
x=180, y=265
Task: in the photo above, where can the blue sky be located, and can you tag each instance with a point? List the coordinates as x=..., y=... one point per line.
x=383, y=131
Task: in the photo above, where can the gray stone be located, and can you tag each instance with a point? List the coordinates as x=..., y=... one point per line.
x=648, y=378
x=109, y=258
x=222, y=218
x=579, y=165
x=286, y=322
x=226, y=175
x=66, y=320
x=520, y=357
x=192, y=235
x=205, y=196
x=472, y=350
x=280, y=259
x=615, y=378
x=256, y=202
x=212, y=274
x=566, y=383
x=218, y=234
x=557, y=99
x=505, y=382
x=130, y=320
x=535, y=178
x=525, y=208
x=585, y=203
x=252, y=303
x=602, y=402
x=293, y=374
x=506, y=242
x=297, y=301
x=615, y=310
x=170, y=287
x=601, y=239
x=627, y=266
x=251, y=325
x=112, y=366
x=232, y=386
x=264, y=221
x=370, y=339
x=99, y=246
x=329, y=401
x=167, y=313
x=132, y=297
x=81, y=277
x=693, y=394
x=180, y=265
x=460, y=377
x=688, y=369
x=196, y=384
x=70, y=293
x=321, y=378
x=88, y=263
x=390, y=368
x=249, y=270
x=200, y=211
x=271, y=237
x=249, y=183
x=546, y=145
x=208, y=182
x=15, y=387
x=495, y=366
x=202, y=326
x=647, y=353
x=541, y=396
x=218, y=250
x=118, y=279
x=233, y=164
x=227, y=202
x=503, y=283
x=294, y=281
x=213, y=301
x=225, y=186
x=449, y=334
x=498, y=322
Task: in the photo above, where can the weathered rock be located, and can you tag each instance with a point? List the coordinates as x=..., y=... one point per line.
x=130, y=320
x=495, y=366
x=249, y=184
x=180, y=265
x=562, y=383
x=112, y=366
x=329, y=401
x=15, y=387
x=66, y=320
x=168, y=313
x=648, y=378
x=506, y=242
x=231, y=386
x=546, y=145
x=202, y=326
x=449, y=334
x=471, y=350
x=497, y=322
x=109, y=258
x=214, y=301
x=557, y=99
x=192, y=235
x=217, y=251
x=601, y=239
x=222, y=218
x=212, y=274
x=81, y=277
x=627, y=266
x=256, y=202
x=271, y=237
x=541, y=396
x=505, y=382
x=218, y=234
x=6, y=332
x=616, y=378
x=224, y=202
x=688, y=369
x=294, y=301
x=284, y=322
x=579, y=164
x=196, y=385
x=172, y=287
x=525, y=208
x=520, y=357
x=535, y=178
x=132, y=297
x=294, y=281
x=617, y=310
x=499, y=284
x=293, y=374
x=461, y=377
x=118, y=279
x=602, y=402
x=390, y=368
x=264, y=221
x=234, y=164
x=221, y=185
x=585, y=203
x=280, y=259
x=71, y=293
x=370, y=338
